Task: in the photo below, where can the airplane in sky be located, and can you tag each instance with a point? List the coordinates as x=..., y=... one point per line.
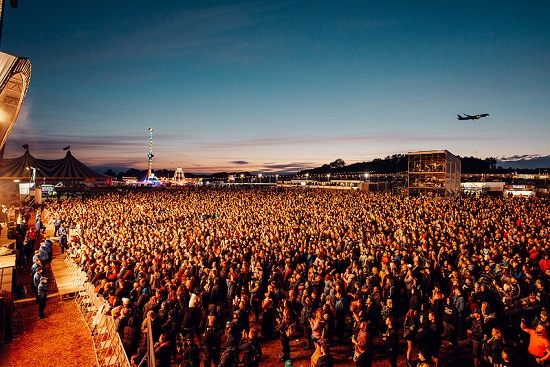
x=472, y=117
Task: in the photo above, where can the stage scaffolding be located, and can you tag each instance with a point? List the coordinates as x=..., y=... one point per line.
x=434, y=173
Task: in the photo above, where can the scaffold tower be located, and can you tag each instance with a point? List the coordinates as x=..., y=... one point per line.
x=434, y=173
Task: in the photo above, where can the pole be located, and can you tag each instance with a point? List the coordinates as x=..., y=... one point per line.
x=150, y=156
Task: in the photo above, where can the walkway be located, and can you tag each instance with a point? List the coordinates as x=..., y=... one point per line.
x=44, y=342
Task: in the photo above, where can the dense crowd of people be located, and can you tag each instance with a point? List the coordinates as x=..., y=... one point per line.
x=216, y=272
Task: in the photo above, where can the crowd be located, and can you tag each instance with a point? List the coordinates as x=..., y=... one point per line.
x=216, y=272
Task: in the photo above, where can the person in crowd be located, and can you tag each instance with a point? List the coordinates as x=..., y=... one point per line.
x=212, y=343
x=63, y=243
x=392, y=341
x=459, y=303
x=40, y=227
x=539, y=345
x=492, y=347
x=450, y=323
x=341, y=310
x=506, y=359
x=475, y=333
x=325, y=358
x=305, y=316
x=251, y=348
x=435, y=336
x=235, y=330
x=28, y=247
x=363, y=346
x=318, y=329
x=255, y=296
x=130, y=335
x=268, y=316
x=411, y=326
x=162, y=352
x=542, y=319
x=20, y=236
x=424, y=361
x=63, y=230
x=191, y=352
x=287, y=325
x=56, y=225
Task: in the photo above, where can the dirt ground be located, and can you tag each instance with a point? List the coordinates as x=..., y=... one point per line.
x=61, y=339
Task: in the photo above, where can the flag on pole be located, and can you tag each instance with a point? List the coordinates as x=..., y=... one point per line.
x=25, y=146
x=67, y=147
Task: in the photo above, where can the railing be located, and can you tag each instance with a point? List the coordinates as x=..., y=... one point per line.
x=107, y=344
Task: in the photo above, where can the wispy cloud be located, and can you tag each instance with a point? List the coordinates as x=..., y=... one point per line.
x=526, y=161
x=522, y=157
x=287, y=167
x=284, y=141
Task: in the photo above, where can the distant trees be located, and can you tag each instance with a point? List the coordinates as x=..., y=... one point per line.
x=391, y=164
x=339, y=163
x=110, y=172
x=398, y=163
x=477, y=165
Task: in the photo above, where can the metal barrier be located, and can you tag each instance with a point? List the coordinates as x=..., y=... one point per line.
x=107, y=344
x=149, y=359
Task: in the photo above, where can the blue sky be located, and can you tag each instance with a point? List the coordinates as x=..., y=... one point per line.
x=272, y=86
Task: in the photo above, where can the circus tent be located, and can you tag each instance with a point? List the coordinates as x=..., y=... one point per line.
x=66, y=169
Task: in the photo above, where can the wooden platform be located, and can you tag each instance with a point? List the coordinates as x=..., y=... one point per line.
x=65, y=281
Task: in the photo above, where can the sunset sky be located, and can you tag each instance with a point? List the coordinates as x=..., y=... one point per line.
x=279, y=86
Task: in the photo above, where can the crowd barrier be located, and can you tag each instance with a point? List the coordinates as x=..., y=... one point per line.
x=107, y=344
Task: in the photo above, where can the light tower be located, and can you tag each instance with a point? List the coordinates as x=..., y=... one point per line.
x=150, y=156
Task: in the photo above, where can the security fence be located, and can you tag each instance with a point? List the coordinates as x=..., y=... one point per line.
x=107, y=344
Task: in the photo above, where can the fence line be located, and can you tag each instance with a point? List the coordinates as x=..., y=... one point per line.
x=108, y=347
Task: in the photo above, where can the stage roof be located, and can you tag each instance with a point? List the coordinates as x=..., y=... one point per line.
x=15, y=75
